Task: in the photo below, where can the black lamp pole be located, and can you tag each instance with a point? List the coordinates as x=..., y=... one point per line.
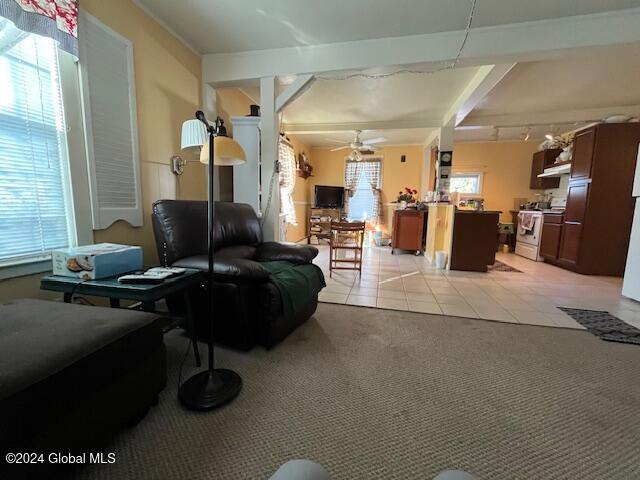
x=213, y=387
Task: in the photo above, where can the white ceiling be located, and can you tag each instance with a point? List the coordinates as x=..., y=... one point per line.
x=223, y=26
x=568, y=87
x=608, y=77
x=402, y=97
x=606, y=82
x=406, y=136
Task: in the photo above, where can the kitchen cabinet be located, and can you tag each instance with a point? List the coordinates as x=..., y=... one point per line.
x=551, y=236
x=583, y=143
x=595, y=233
x=570, y=246
x=409, y=228
x=577, y=202
x=539, y=162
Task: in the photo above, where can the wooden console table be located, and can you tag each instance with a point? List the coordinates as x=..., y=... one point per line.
x=409, y=227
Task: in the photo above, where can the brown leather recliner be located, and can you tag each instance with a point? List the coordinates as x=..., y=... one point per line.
x=248, y=306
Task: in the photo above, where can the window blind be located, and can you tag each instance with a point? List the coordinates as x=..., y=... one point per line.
x=35, y=216
x=108, y=93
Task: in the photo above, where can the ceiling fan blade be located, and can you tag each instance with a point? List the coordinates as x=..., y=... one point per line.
x=373, y=141
x=334, y=140
x=366, y=147
x=339, y=148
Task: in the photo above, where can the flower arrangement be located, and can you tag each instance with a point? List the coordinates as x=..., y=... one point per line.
x=408, y=195
x=558, y=141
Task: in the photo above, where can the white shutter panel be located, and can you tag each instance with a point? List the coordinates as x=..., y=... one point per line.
x=108, y=96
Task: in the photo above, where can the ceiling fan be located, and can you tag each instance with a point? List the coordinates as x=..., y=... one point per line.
x=358, y=145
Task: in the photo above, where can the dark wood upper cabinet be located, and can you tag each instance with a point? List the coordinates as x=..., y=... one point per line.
x=540, y=161
x=583, y=153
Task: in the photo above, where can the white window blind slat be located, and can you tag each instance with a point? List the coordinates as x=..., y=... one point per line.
x=108, y=92
x=34, y=209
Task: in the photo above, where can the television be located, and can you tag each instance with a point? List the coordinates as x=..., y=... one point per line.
x=329, y=197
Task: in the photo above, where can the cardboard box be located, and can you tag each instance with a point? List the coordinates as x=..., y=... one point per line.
x=101, y=260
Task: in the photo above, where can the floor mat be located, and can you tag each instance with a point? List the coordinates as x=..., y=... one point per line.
x=498, y=266
x=604, y=325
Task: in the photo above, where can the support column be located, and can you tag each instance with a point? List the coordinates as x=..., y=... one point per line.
x=270, y=191
x=445, y=159
x=246, y=177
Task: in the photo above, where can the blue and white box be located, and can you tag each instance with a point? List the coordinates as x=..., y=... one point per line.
x=101, y=260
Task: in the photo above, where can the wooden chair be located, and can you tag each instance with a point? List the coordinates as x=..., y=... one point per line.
x=348, y=236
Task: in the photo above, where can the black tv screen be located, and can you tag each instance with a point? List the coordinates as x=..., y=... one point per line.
x=329, y=197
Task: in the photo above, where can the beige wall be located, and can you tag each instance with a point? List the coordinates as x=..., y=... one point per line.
x=168, y=85
x=506, y=167
x=301, y=194
x=231, y=102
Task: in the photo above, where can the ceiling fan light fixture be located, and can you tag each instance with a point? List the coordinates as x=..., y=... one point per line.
x=355, y=156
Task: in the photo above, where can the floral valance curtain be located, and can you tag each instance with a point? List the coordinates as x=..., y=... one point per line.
x=56, y=19
x=287, y=161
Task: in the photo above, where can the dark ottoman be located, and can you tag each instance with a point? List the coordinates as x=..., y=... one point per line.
x=72, y=375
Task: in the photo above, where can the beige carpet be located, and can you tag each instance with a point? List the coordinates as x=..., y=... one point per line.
x=397, y=395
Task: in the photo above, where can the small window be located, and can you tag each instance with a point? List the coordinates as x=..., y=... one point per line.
x=466, y=183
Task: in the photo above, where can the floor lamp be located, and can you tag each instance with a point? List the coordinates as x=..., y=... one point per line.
x=213, y=387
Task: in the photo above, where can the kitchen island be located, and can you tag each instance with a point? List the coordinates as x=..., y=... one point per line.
x=474, y=240
x=469, y=237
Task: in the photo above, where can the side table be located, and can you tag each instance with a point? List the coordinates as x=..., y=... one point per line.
x=146, y=294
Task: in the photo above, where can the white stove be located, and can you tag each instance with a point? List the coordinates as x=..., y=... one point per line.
x=528, y=236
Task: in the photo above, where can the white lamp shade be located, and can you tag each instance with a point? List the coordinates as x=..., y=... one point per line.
x=194, y=134
x=227, y=152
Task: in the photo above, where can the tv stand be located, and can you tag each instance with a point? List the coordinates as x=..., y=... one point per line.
x=319, y=224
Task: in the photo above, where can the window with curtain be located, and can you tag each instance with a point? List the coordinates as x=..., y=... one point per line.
x=287, y=161
x=35, y=207
x=365, y=178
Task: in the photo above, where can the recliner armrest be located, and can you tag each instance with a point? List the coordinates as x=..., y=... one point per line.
x=229, y=270
x=239, y=270
x=290, y=252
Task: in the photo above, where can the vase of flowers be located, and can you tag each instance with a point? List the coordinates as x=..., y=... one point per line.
x=407, y=197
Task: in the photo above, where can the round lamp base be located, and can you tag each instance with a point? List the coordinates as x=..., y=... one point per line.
x=208, y=390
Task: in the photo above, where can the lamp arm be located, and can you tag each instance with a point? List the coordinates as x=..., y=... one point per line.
x=217, y=128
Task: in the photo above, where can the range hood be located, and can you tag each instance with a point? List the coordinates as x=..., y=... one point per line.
x=557, y=171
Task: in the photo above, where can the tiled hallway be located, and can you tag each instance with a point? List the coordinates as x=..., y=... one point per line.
x=408, y=282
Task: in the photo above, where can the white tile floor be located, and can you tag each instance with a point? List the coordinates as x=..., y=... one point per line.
x=407, y=282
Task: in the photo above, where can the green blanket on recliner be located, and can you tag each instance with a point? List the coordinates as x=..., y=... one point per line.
x=298, y=284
